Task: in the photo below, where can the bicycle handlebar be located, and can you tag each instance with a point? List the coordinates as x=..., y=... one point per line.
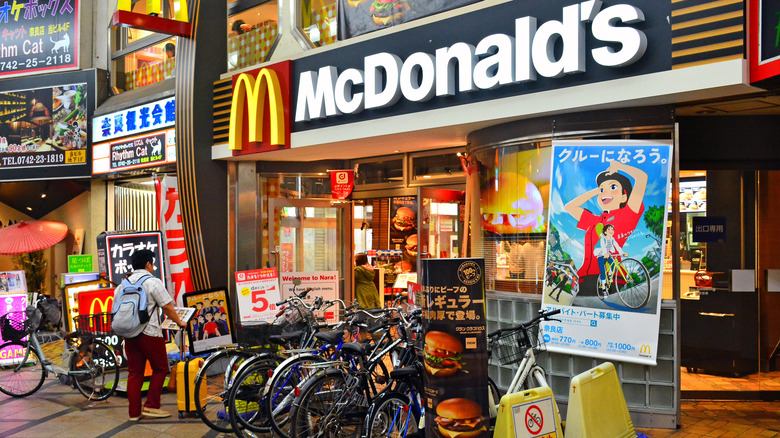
x=535, y=321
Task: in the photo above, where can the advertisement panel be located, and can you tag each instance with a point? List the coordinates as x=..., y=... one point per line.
x=258, y=293
x=12, y=302
x=212, y=324
x=323, y=284
x=115, y=252
x=403, y=229
x=149, y=150
x=39, y=36
x=605, y=240
x=151, y=116
x=455, y=352
x=177, y=263
x=357, y=17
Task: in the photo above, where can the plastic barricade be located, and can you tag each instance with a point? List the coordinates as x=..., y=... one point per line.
x=597, y=407
x=529, y=414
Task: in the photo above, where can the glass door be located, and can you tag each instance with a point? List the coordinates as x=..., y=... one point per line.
x=307, y=235
x=440, y=223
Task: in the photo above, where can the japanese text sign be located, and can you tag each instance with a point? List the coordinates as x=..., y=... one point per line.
x=38, y=36
x=258, y=293
x=709, y=229
x=135, y=120
x=80, y=263
x=115, y=252
x=341, y=183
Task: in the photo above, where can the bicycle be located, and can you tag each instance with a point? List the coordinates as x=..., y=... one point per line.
x=630, y=279
x=519, y=344
x=93, y=366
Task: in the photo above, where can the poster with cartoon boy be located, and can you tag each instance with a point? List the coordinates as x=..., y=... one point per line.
x=605, y=237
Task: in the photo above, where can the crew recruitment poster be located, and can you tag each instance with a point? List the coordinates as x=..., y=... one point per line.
x=605, y=247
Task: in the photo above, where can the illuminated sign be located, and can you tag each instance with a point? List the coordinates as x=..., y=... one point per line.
x=115, y=252
x=266, y=88
x=764, y=39
x=136, y=120
x=80, y=263
x=149, y=150
x=93, y=302
x=180, y=25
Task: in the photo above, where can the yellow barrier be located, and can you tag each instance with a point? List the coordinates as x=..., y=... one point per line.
x=528, y=414
x=597, y=407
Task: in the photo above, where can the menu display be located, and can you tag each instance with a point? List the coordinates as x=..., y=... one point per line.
x=693, y=196
x=38, y=36
x=43, y=127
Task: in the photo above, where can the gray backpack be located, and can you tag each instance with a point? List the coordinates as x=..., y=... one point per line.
x=130, y=314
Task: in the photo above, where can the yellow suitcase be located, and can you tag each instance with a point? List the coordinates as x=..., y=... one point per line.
x=185, y=372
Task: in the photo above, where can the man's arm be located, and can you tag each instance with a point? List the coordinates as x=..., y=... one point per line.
x=640, y=183
x=574, y=207
x=170, y=312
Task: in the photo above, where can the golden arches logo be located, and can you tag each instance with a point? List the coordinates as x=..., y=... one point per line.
x=254, y=93
x=104, y=305
x=645, y=349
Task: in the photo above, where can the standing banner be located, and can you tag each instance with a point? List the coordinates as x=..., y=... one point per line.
x=179, y=281
x=211, y=326
x=456, y=360
x=323, y=284
x=258, y=293
x=606, y=234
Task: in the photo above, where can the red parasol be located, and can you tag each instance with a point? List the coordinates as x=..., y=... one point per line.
x=26, y=237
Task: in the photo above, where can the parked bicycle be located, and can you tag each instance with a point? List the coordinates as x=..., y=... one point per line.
x=629, y=279
x=92, y=365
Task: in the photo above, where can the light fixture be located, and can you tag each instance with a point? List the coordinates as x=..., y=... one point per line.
x=29, y=208
x=43, y=195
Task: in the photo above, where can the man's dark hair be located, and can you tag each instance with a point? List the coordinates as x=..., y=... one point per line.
x=622, y=179
x=141, y=257
x=361, y=259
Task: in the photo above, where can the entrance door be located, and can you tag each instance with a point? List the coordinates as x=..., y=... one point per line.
x=308, y=235
x=441, y=223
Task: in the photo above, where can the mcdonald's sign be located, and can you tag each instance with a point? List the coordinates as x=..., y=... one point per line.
x=645, y=349
x=180, y=24
x=259, y=111
x=97, y=301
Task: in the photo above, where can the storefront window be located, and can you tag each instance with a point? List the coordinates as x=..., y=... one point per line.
x=513, y=196
x=380, y=172
x=317, y=20
x=140, y=57
x=435, y=167
x=252, y=31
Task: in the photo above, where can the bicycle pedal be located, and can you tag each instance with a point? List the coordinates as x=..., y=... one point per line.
x=46, y=362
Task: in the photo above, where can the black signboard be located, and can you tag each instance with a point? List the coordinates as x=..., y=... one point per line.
x=357, y=17
x=45, y=125
x=403, y=227
x=115, y=252
x=138, y=152
x=38, y=36
x=770, y=30
x=708, y=229
x=456, y=362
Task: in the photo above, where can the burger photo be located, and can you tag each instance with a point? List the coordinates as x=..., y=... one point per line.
x=403, y=266
x=442, y=354
x=404, y=219
x=411, y=245
x=512, y=211
x=385, y=11
x=459, y=418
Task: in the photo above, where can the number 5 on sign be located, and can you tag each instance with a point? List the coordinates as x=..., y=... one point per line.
x=258, y=291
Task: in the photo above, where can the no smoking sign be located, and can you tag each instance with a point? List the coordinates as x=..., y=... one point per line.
x=535, y=419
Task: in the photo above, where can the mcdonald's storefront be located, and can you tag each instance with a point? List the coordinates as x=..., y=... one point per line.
x=397, y=108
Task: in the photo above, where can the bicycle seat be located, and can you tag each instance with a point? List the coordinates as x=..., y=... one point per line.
x=404, y=373
x=330, y=337
x=353, y=349
x=285, y=337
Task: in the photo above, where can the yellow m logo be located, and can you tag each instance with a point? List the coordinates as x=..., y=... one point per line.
x=254, y=93
x=155, y=7
x=644, y=349
x=104, y=305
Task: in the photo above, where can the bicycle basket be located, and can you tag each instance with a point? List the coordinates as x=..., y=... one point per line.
x=510, y=347
x=13, y=326
x=97, y=324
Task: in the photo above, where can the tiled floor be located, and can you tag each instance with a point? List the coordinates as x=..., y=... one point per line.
x=59, y=411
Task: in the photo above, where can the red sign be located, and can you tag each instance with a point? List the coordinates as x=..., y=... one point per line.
x=97, y=301
x=341, y=183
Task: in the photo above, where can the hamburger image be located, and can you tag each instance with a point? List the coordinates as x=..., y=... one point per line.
x=385, y=11
x=404, y=219
x=403, y=266
x=442, y=354
x=411, y=245
x=509, y=211
x=459, y=418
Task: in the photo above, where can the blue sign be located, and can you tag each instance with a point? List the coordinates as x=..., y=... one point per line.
x=709, y=229
x=135, y=120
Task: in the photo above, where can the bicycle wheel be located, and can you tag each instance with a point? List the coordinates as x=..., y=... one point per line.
x=95, y=370
x=20, y=381
x=393, y=415
x=289, y=374
x=246, y=400
x=329, y=406
x=215, y=374
x=633, y=283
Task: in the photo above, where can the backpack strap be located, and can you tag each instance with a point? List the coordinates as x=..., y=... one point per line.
x=141, y=281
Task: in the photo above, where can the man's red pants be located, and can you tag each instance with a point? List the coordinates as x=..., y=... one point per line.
x=138, y=350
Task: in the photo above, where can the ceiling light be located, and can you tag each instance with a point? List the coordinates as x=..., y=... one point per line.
x=29, y=208
x=43, y=195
